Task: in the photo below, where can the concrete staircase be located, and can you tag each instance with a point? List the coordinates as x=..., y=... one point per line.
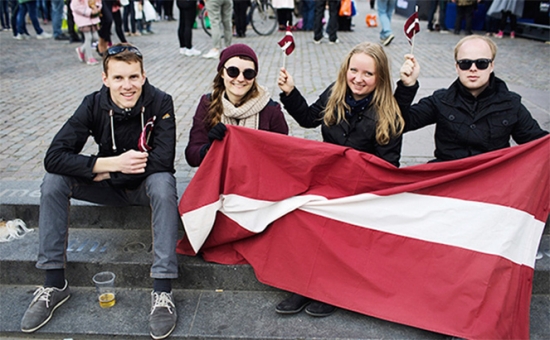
x=213, y=301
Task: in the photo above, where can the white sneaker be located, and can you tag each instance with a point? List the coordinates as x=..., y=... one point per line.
x=212, y=54
x=192, y=52
x=183, y=50
x=43, y=35
x=22, y=37
x=337, y=41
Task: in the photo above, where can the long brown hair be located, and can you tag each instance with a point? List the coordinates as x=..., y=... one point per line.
x=215, y=109
x=389, y=123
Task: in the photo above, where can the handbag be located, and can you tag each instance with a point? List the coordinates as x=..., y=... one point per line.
x=149, y=11
x=345, y=8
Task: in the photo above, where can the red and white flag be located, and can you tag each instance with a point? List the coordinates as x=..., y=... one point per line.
x=412, y=26
x=448, y=247
x=287, y=43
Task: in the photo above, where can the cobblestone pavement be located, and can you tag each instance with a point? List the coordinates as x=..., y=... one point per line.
x=42, y=82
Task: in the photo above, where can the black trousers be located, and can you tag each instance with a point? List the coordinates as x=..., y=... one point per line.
x=188, y=12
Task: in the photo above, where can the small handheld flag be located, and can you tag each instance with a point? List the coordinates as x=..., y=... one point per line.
x=287, y=43
x=412, y=26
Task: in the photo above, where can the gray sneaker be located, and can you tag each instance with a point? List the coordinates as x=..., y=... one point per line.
x=163, y=317
x=44, y=303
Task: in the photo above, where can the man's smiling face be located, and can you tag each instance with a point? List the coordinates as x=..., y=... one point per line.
x=125, y=82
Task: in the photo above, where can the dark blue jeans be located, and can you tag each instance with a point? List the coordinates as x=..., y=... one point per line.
x=24, y=8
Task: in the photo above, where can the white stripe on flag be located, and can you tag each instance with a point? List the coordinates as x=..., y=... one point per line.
x=482, y=227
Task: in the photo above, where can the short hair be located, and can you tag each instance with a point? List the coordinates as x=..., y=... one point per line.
x=489, y=42
x=128, y=53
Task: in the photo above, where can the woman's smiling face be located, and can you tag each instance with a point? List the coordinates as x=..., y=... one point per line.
x=361, y=75
x=236, y=88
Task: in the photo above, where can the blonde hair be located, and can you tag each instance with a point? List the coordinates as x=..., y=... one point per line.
x=215, y=109
x=389, y=122
x=489, y=42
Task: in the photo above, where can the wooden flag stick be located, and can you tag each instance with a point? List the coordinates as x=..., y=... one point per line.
x=414, y=32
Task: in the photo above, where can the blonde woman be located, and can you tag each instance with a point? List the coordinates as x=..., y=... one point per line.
x=359, y=110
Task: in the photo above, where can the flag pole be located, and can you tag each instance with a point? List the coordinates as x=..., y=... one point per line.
x=284, y=52
x=414, y=31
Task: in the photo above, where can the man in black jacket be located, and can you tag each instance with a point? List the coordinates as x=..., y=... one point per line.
x=134, y=126
x=477, y=113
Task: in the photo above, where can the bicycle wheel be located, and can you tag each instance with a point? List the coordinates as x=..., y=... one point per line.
x=205, y=21
x=263, y=18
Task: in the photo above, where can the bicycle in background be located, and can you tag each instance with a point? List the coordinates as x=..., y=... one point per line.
x=261, y=16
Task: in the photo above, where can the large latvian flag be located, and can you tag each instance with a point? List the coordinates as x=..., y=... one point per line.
x=448, y=247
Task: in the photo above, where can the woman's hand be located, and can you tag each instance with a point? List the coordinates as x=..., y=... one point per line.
x=285, y=81
x=409, y=70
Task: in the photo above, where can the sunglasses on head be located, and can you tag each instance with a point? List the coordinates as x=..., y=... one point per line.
x=114, y=50
x=234, y=72
x=466, y=64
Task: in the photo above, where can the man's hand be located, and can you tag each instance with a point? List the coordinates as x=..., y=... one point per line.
x=132, y=162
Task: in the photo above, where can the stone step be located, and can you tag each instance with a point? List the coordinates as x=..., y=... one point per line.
x=208, y=314
x=127, y=253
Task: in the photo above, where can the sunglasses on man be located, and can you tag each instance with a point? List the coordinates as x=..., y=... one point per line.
x=466, y=64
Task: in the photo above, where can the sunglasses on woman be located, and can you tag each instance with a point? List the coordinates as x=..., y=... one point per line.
x=234, y=72
x=466, y=64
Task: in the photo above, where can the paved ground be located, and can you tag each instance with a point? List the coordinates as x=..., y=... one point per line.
x=42, y=82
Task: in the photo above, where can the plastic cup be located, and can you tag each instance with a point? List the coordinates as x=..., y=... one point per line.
x=105, y=287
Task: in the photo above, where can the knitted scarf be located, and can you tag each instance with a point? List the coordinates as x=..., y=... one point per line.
x=247, y=114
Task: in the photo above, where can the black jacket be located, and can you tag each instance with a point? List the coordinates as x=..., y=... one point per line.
x=358, y=132
x=92, y=119
x=466, y=125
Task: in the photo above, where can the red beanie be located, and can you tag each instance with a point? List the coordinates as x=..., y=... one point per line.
x=237, y=50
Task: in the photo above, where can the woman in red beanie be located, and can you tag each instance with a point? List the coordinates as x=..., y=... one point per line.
x=236, y=99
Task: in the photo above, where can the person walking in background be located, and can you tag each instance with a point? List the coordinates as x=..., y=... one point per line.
x=236, y=99
x=105, y=27
x=220, y=12
x=86, y=17
x=434, y=5
x=168, y=6
x=332, y=25
x=188, y=13
x=284, y=12
x=240, y=8
x=4, y=15
x=73, y=35
x=507, y=9
x=14, y=4
x=465, y=10
x=117, y=19
x=29, y=6
x=57, y=19
x=308, y=14
x=43, y=9
x=129, y=18
x=385, y=12
x=359, y=111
